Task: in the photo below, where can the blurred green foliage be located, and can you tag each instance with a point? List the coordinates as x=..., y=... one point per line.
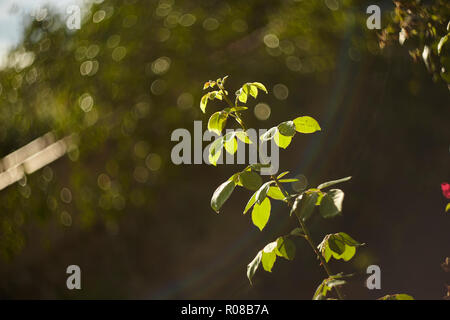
x=423, y=28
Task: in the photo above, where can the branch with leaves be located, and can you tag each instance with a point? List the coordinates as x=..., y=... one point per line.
x=339, y=246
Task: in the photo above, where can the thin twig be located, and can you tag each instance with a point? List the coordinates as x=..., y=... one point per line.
x=308, y=236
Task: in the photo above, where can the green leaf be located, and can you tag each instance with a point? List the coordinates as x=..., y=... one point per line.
x=209, y=96
x=333, y=182
x=281, y=175
x=306, y=125
x=398, y=296
x=268, y=260
x=259, y=86
x=250, y=203
x=441, y=43
x=203, y=102
x=234, y=109
x=243, y=136
x=269, y=134
x=209, y=84
x=230, y=143
x=275, y=193
x=327, y=285
x=214, y=150
x=327, y=253
x=253, y=266
x=250, y=180
x=331, y=203
x=242, y=94
x=217, y=122
x=287, y=128
x=285, y=248
x=339, y=246
x=288, y=180
x=261, y=214
x=447, y=208
x=222, y=193
x=253, y=90
x=304, y=205
x=262, y=192
x=281, y=140
x=215, y=95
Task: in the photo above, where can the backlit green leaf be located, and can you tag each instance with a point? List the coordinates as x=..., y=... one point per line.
x=261, y=213
x=253, y=266
x=281, y=140
x=288, y=180
x=306, y=124
x=398, y=296
x=253, y=90
x=268, y=260
x=441, y=43
x=275, y=193
x=281, y=175
x=250, y=203
x=203, y=102
x=243, y=136
x=339, y=246
x=242, y=94
x=230, y=144
x=217, y=122
x=215, y=150
x=259, y=86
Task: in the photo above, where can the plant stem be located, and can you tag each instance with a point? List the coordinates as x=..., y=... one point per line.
x=239, y=120
x=236, y=114
x=308, y=237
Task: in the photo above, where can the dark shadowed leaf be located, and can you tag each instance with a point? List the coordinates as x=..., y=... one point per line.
x=331, y=203
x=287, y=128
x=222, y=193
x=262, y=192
x=333, y=182
x=398, y=296
x=250, y=180
x=304, y=205
x=285, y=248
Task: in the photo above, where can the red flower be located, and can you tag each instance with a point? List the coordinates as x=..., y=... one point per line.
x=446, y=189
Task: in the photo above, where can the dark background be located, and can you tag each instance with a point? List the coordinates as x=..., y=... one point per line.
x=384, y=121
